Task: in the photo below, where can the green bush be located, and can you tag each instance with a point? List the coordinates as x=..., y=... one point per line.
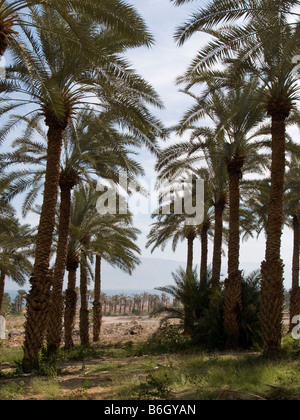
x=200, y=313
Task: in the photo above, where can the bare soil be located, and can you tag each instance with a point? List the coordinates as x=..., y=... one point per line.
x=115, y=329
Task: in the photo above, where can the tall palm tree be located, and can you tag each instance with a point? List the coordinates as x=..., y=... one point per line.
x=115, y=242
x=84, y=158
x=110, y=237
x=292, y=207
x=204, y=149
x=235, y=116
x=58, y=84
x=266, y=45
x=173, y=224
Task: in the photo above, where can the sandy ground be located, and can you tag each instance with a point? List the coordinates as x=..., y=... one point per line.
x=114, y=329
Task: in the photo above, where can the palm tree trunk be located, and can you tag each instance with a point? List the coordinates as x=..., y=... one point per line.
x=39, y=296
x=54, y=331
x=190, y=251
x=295, y=292
x=218, y=239
x=272, y=292
x=233, y=284
x=97, y=306
x=71, y=303
x=204, y=252
x=84, y=311
x=2, y=287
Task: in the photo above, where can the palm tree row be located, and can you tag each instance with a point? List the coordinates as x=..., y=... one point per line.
x=248, y=74
x=85, y=110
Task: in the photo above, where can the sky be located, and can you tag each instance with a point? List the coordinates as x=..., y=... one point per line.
x=161, y=65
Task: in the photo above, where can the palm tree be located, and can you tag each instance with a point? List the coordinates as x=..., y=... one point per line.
x=83, y=158
x=81, y=225
x=110, y=237
x=114, y=242
x=292, y=207
x=204, y=149
x=259, y=193
x=193, y=296
x=58, y=86
x=265, y=45
x=97, y=304
x=15, y=252
x=115, y=14
x=172, y=219
x=234, y=115
x=19, y=300
x=172, y=227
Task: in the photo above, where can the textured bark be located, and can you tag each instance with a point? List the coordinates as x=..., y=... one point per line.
x=84, y=311
x=233, y=284
x=2, y=286
x=218, y=239
x=97, y=306
x=272, y=297
x=204, y=252
x=295, y=292
x=71, y=304
x=54, y=332
x=39, y=296
x=190, y=251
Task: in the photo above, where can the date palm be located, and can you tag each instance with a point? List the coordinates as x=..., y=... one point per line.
x=110, y=237
x=265, y=44
x=204, y=149
x=57, y=80
x=235, y=116
x=292, y=208
x=173, y=225
x=115, y=242
x=91, y=149
x=113, y=13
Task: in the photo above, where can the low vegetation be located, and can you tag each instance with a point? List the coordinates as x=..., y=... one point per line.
x=166, y=367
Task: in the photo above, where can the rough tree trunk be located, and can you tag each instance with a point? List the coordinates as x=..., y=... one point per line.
x=54, y=332
x=272, y=292
x=71, y=303
x=38, y=298
x=2, y=287
x=190, y=251
x=218, y=239
x=295, y=292
x=84, y=311
x=233, y=284
x=97, y=306
x=204, y=252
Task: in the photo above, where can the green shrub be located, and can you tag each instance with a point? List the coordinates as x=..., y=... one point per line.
x=200, y=313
